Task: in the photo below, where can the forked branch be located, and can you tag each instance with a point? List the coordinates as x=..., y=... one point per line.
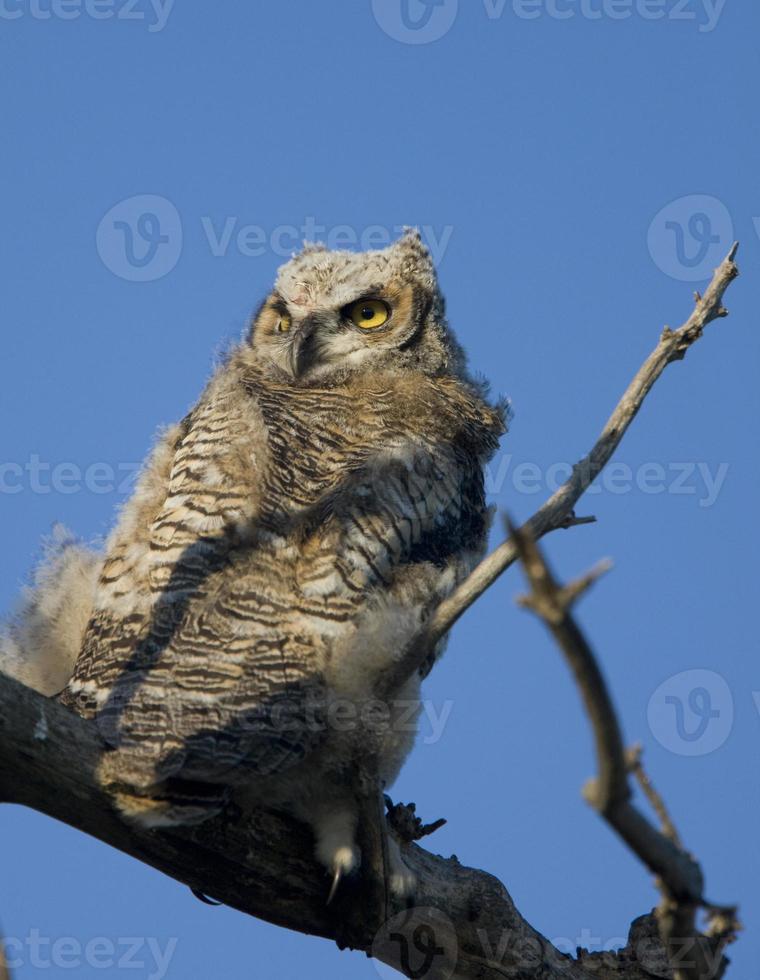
x=693, y=956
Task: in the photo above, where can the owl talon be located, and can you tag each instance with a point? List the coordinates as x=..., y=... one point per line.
x=204, y=898
x=344, y=860
x=334, y=886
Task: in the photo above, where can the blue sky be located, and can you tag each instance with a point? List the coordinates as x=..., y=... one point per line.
x=578, y=168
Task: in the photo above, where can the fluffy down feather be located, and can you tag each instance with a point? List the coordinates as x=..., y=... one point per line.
x=40, y=645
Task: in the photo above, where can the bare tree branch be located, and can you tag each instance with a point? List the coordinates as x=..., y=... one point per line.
x=464, y=925
x=264, y=866
x=693, y=956
x=636, y=766
x=558, y=511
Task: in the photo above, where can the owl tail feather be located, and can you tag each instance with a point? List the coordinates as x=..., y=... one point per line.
x=40, y=645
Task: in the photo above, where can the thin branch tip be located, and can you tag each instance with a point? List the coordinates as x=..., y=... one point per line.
x=575, y=521
x=634, y=759
x=602, y=567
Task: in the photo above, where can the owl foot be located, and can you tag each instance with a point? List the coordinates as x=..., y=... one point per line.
x=339, y=854
x=336, y=850
x=344, y=861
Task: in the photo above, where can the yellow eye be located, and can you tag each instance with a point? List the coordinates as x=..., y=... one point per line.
x=284, y=324
x=369, y=313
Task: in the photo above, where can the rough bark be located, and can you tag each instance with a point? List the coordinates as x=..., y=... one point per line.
x=265, y=868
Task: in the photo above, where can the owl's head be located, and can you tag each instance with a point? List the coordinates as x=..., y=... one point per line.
x=333, y=314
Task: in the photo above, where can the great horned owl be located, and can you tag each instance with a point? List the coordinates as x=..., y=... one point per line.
x=285, y=542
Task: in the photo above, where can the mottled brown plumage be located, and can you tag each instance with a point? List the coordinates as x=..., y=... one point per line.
x=284, y=544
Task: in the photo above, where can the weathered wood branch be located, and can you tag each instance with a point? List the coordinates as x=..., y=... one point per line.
x=464, y=924
x=692, y=956
x=265, y=867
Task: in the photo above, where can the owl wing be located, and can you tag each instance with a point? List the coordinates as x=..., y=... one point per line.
x=243, y=660
x=217, y=678
x=188, y=504
x=210, y=494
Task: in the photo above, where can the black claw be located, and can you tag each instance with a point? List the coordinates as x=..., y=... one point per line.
x=334, y=887
x=204, y=898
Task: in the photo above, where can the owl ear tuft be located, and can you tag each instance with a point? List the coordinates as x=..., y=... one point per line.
x=309, y=247
x=415, y=259
x=411, y=241
x=412, y=234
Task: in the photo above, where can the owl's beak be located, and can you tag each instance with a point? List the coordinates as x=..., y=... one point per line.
x=303, y=348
